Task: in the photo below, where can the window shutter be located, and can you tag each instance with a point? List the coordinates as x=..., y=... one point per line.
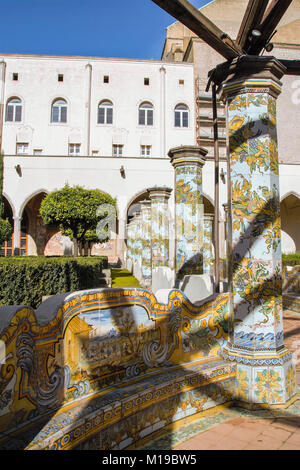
x=18, y=113
x=9, y=113
x=150, y=117
x=100, y=115
x=54, y=114
x=185, y=119
x=142, y=117
x=63, y=115
x=109, y=115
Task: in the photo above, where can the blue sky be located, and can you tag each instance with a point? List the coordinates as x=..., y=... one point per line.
x=115, y=28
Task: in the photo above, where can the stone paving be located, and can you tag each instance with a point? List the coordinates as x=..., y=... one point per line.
x=245, y=433
x=241, y=429
x=248, y=434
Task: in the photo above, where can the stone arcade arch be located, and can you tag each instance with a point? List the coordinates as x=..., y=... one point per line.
x=134, y=204
x=7, y=248
x=36, y=233
x=290, y=222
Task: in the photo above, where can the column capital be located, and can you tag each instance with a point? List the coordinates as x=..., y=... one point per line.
x=186, y=155
x=146, y=204
x=253, y=74
x=208, y=217
x=226, y=207
x=159, y=191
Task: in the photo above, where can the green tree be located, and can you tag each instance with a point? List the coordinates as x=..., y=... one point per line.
x=78, y=212
x=5, y=226
x=5, y=230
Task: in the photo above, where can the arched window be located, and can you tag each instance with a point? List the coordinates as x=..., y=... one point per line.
x=146, y=114
x=59, y=111
x=105, y=112
x=14, y=110
x=181, y=116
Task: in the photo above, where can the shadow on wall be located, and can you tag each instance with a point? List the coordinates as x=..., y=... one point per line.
x=193, y=265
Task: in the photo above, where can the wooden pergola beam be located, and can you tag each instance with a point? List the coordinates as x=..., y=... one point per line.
x=251, y=20
x=188, y=15
x=292, y=66
x=268, y=25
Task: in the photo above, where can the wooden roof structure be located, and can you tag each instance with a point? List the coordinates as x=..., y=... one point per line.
x=257, y=28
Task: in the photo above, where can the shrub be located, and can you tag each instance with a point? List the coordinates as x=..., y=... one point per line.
x=25, y=280
x=292, y=259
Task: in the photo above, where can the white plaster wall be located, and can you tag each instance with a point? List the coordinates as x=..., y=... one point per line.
x=38, y=87
x=50, y=173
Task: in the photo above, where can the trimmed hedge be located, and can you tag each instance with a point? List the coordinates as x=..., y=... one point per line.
x=292, y=259
x=25, y=280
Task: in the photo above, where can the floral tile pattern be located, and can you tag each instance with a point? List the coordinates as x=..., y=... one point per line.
x=256, y=338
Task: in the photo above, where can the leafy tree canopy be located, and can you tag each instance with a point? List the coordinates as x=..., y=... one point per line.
x=77, y=211
x=5, y=230
x=5, y=226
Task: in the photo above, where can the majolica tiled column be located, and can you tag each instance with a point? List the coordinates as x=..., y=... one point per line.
x=159, y=197
x=265, y=372
x=228, y=237
x=134, y=238
x=129, y=236
x=188, y=162
x=138, y=239
x=208, y=249
x=128, y=242
x=146, y=242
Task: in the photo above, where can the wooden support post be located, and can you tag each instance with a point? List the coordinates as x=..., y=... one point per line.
x=217, y=195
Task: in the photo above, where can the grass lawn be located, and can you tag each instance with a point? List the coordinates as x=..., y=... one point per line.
x=123, y=278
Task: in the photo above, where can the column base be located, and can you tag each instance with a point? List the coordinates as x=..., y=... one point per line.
x=146, y=283
x=264, y=379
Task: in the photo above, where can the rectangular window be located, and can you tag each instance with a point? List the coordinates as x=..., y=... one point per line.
x=95, y=153
x=181, y=82
x=146, y=81
x=60, y=77
x=74, y=150
x=106, y=79
x=37, y=152
x=146, y=150
x=22, y=149
x=15, y=77
x=117, y=150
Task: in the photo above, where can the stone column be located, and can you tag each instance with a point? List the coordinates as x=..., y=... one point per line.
x=146, y=242
x=188, y=162
x=159, y=197
x=265, y=371
x=17, y=236
x=208, y=248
